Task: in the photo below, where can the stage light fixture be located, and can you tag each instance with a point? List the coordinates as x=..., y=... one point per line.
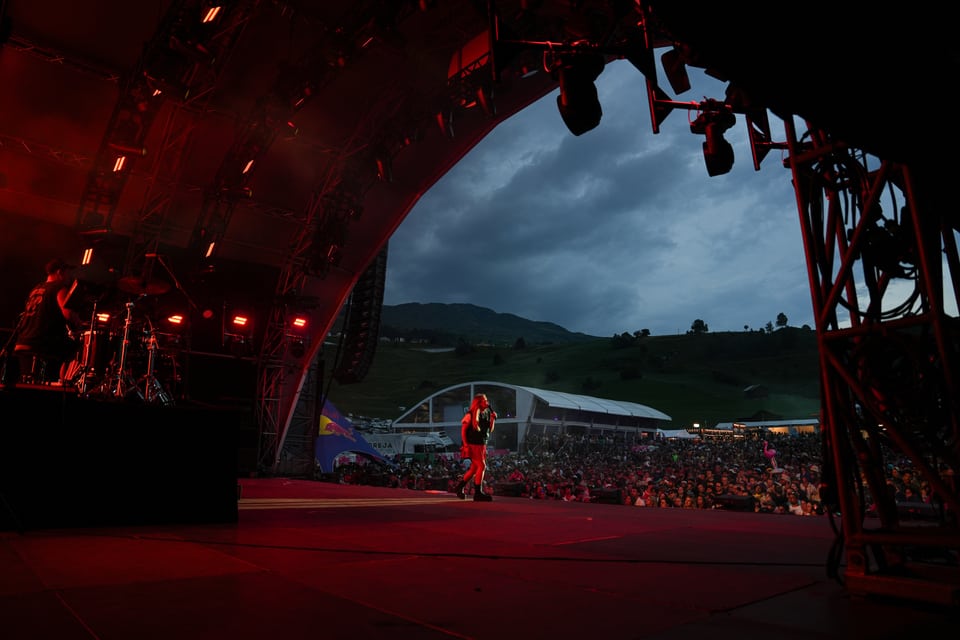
x=444, y=120
x=237, y=331
x=297, y=335
x=485, y=100
x=384, y=168
x=578, y=102
x=717, y=152
x=211, y=14
x=158, y=85
x=713, y=121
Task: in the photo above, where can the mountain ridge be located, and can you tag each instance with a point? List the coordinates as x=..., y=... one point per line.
x=449, y=323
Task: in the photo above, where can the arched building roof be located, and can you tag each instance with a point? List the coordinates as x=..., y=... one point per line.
x=522, y=410
x=559, y=399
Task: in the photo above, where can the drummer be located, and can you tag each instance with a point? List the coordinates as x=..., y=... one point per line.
x=43, y=333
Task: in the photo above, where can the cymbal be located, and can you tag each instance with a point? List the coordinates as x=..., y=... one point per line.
x=139, y=286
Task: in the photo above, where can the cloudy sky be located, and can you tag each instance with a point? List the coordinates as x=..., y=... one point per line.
x=619, y=229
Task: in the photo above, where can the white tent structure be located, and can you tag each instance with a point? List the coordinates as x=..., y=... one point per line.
x=677, y=434
x=523, y=411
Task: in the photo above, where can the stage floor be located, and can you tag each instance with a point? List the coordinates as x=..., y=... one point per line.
x=319, y=560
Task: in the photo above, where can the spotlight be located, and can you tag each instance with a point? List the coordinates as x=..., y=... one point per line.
x=237, y=331
x=717, y=152
x=712, y=122
x=444, y=119
x=384, y=168
x=298, y=334
x=578, y=103
x=485, y=100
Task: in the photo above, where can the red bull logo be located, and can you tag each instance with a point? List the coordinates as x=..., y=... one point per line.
x=330, y=428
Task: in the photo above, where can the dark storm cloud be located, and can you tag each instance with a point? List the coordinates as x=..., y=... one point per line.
x=616, y=230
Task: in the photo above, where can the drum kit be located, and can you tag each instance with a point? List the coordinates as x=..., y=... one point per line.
x=121, y=354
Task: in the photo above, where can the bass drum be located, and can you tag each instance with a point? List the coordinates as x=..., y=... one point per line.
x=98, y=351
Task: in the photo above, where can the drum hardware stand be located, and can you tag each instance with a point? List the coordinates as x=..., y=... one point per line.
x=123, y=381
x=153, y=391
x=83, y=376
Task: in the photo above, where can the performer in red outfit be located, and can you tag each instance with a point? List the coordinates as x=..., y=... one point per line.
x=475, y=429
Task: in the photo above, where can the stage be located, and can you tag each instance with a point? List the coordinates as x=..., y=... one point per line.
x=72, y=461
x=309, y=559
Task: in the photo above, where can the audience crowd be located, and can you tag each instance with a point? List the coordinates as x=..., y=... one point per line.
x=661, y=473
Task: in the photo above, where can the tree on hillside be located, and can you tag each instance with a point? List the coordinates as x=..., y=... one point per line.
x=698, y=327
x=622, y=340
x=520, y=343
x=769, y=327
x=781, y=320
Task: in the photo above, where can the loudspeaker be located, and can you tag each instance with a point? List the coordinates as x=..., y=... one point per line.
x=362, y=325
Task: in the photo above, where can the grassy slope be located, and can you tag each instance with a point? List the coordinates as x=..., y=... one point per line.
x=692, y=378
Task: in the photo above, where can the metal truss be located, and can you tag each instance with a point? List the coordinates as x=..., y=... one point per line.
x=53, y=56
x=881, y=247
x=181, y=63
x=274, y=372
x=318, y=246
x=163, y=184
x=273, y=114
x=33, y=148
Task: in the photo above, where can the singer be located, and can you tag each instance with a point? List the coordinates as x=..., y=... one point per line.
x=475, y=430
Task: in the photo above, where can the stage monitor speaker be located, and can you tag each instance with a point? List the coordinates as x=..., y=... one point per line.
x=362, y=325
x=511, y=489
x=606, y=496
x=735, y=503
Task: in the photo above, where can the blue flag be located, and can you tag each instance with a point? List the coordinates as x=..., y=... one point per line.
x=336, y=435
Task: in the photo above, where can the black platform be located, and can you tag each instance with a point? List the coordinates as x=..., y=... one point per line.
x=68, y=461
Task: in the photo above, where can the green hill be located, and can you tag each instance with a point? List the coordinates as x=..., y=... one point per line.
x=447, y=324
x=693, y=378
